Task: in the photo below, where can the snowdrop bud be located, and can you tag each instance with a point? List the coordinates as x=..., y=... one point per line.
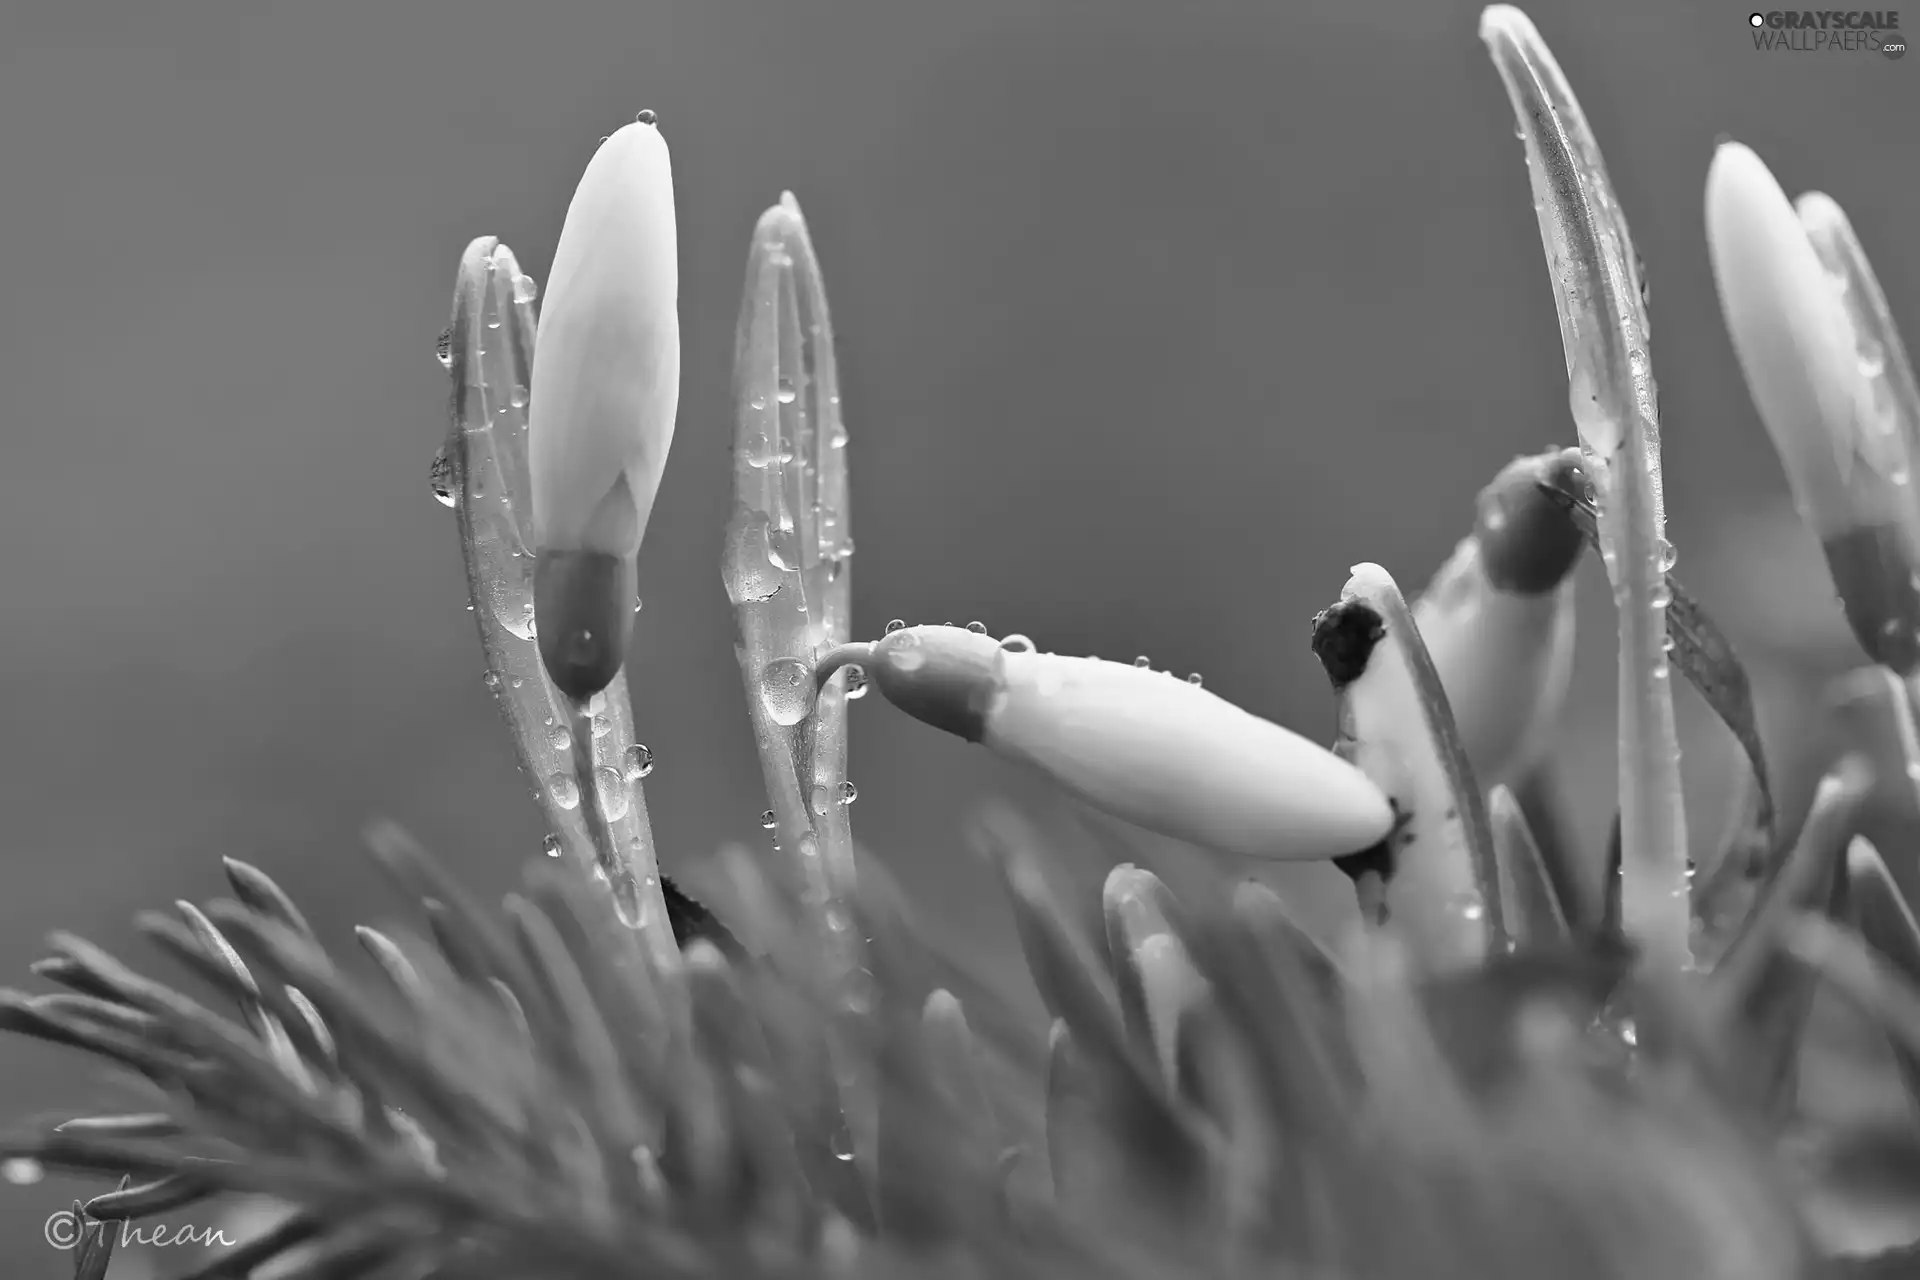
x=606, y=385
x=1397, y=726
x=1840, y=443
x=1146, y=747
x=1498, y=619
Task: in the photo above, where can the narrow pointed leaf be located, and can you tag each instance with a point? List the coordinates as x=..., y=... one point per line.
x=1604, y=333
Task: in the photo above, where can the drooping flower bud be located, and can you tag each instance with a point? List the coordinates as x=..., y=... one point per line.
x=606, y=386
x=1498, y=619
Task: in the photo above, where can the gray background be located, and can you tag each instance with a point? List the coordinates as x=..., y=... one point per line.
x=1153, y=318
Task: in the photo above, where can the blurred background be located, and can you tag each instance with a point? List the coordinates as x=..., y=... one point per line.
x=1153, y=317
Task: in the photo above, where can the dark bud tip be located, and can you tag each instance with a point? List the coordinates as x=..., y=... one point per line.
x=583, y=614
x=1344, y=637
x=946, y=676
x=1528, y=540
x=1875, y=576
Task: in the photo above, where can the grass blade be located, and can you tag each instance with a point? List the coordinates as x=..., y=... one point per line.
x=1603, y=328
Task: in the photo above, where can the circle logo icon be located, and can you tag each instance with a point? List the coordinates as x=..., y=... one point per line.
x=63, y=1229
x=1756, y=19
x=1894, y=46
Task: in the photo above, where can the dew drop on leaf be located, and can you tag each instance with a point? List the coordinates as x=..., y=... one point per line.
x=1143, y=662
x=786, y=393
x=786, y=690
x=898, y=624
x=747, y=564
x=525, y=288
x=564, y=790
x=551, y=846
x=766, y=819
x=856, y=682
x=1016, y=643
x=638, y=760
x=610, y=788
x=440, y=478
x=978, y=628
x=1195, y=680
x=443, y=349
x=848, y=793
x=559, y=737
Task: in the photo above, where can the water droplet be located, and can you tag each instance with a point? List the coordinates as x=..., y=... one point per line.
x=819, y=799
x=1692, y=868
x=848, y=793
x=1873, y=361
x=493, y=320
x=783, y=548
x=516, y=682
x=786, y=391
x=757, y=403
x=856, y=682
x=1665, y=555
x=564, y=790
x=610, y=788
x=759, y=452
x=1662, y=594
x=1143, y=662
x=517, y=397
x=1662, y=670
x=1629, y=1034
x=837, y=436
x=786, y=690
x=551, y=846
x=22, y=1171
x=491, y=679
x=842, y=1143
x=525, y=288
x=1468, y=906
x=639, y=760
x=440, y=477
x=898, y=624
x=602, y=725
x=559, y=737
x=746, y=567
x=1195, y=680
x=978, y=628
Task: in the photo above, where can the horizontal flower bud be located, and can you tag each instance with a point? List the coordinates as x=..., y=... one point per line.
x=1156, y=751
